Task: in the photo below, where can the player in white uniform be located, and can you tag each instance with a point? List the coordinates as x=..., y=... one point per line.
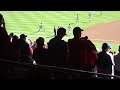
x=100, y=12
x=41, y=27
x=69, y=28
x=77, y=19
x=89, y=15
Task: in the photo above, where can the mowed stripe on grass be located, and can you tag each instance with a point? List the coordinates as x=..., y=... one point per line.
x=28, y=22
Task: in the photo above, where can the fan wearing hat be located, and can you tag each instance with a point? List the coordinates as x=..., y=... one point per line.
x=109, y=47
x=77, y=32
x=25, y=54
x=57, y=49
x=81, y=54
x=23, y=36
x=104, y=61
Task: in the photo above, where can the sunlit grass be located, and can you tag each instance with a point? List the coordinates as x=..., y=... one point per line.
x=28, y=22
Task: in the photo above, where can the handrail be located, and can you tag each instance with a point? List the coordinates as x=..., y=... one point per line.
x=58, y=68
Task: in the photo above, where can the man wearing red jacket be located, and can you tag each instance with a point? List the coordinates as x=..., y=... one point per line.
x=82, y=52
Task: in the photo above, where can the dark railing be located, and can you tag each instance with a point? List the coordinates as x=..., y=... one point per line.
x=20, y=70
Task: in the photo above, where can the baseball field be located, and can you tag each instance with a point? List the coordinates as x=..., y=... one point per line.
x=101, y=28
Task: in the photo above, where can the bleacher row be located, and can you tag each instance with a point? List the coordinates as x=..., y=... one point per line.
x=17, y=70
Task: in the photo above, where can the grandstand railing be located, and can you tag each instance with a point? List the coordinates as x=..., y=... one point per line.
x=19, y=70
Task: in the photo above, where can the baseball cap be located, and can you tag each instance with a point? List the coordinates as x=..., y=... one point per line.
x=106, y=46
x=109, y=46
x=61, y=30
x=23, y=35
x=77, y=30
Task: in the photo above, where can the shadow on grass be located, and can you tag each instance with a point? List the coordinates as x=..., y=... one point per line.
x=49, y=36
x=86, y=21
x=97, y=15
x=38, y=31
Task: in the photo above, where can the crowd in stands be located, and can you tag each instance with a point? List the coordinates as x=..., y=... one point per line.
x=78, y=53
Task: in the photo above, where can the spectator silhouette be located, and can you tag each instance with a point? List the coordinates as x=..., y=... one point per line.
x=2, y=21
x=40, y=53
x=57, y=49
x=15, y=37
x=55, y=31
x=29, y=41
x=82, y=52
x=11, y=36
x=13, y=51
x=109, y=52
x=117, y=62
x=4, y=39
x=25, y=54
x=104, y=62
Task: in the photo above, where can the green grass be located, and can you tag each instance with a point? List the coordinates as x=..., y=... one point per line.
x=28, y=22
